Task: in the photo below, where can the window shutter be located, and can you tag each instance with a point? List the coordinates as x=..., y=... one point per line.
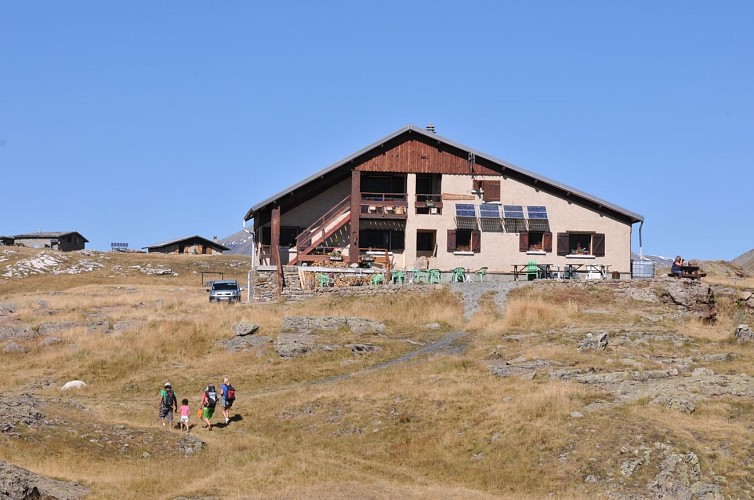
x=523, y=242
x=451, y=240
x=562, y=243
x=491, y=190
x=476, y=241
x=547, y=242
x=598, y=244
x=477, y=185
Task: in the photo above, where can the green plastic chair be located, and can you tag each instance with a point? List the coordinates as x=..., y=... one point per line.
x=458, y=275
x=420, y=276
x=324, y=280
x=481, y=272
x=378, y=279
x=532, y=270
x=397, y=277
x=435, y=276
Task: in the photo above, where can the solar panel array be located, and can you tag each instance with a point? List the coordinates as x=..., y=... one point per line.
x=514, y=218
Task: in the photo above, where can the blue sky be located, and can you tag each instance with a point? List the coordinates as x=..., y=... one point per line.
x=144, y=121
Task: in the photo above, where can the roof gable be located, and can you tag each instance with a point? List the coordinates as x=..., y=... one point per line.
x=482, y=161
x=48, y=235
x=190, y=239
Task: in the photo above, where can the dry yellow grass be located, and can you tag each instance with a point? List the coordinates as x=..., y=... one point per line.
x=439, y=426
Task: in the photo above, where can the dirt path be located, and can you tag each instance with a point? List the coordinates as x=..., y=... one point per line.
x=472, y=292
x=452, y=344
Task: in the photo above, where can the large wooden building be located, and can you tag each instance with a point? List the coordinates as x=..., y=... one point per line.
x=425, y=198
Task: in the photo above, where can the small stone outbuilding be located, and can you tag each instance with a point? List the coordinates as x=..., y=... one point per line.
x=192, y=245
x=66, y=241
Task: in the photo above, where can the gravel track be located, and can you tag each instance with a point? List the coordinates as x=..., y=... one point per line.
x=472, y=292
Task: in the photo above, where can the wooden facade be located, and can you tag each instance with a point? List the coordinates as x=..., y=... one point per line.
x=417, y=154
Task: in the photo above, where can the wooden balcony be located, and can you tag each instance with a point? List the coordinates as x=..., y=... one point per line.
x=384, y=206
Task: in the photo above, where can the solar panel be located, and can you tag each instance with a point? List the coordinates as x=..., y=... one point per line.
x=489, y=211
x=537, y=212
x=513, y=211
x=465, y=210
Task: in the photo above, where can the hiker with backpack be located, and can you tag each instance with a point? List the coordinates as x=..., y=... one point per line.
x=168, y=404
x=209, y=401
x=228, y=396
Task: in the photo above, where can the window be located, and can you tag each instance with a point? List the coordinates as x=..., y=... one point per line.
x=428, y=197
x=513, y=218
x=425, y=240
x=428, y=184
x=382, y=184
x=490, y=190
x=535, y=241
x=288, y=235
x=464, y=240
x=389, y=239
x=580, y=243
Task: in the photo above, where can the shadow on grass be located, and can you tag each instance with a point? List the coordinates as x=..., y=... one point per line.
x=235, y=418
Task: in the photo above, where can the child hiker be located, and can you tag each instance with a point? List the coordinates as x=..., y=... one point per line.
x=185, y=410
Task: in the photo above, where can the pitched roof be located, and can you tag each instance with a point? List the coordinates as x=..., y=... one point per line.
x=48, y=235
x=188, y=238
x=633, y=216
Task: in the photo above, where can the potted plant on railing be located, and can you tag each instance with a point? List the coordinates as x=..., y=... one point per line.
x=336, y=255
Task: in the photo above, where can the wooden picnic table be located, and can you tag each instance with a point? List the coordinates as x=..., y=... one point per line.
x=692, y=272
x=544, y=270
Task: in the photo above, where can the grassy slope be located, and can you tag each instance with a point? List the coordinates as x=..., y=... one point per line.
x=441, y=427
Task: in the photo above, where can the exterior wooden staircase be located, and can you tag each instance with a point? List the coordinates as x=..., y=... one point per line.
x=323, y=228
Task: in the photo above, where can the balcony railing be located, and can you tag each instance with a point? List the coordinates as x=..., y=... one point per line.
x=428, y=203
x=384, y=205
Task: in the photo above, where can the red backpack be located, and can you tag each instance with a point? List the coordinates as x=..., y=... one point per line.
x=230, y=393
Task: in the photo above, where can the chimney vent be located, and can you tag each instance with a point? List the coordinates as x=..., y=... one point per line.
x=431, y=127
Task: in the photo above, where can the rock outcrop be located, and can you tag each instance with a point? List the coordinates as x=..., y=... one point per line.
x=22, y=484
x=744, y=333
x=360, y=326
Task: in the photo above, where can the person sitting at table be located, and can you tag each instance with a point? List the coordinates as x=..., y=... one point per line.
x=675, y=269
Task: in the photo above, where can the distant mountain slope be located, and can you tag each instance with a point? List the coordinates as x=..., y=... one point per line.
x=659, y=260
x=745, y=260
x=239, y=243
